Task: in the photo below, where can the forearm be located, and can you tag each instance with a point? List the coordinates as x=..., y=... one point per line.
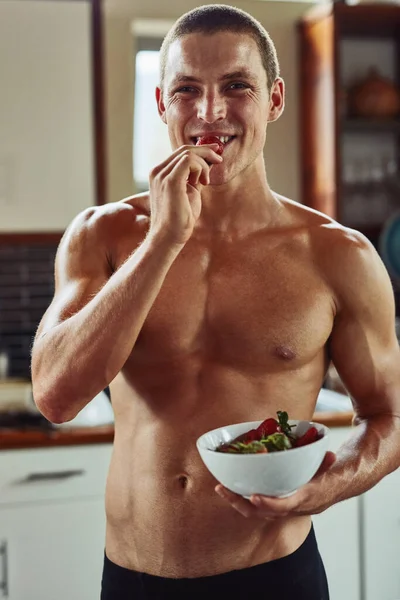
x=372, y=452
x=79, y=357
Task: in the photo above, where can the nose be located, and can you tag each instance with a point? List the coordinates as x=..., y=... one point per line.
x=211, y=107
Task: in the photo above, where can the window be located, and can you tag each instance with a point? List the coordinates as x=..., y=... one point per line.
x=150, y=136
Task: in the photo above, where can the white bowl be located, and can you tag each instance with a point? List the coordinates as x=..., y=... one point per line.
x=277, y=474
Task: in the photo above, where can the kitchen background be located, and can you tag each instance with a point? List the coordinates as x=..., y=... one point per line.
x=78, y=126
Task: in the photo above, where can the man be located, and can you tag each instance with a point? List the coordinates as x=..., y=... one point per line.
x=212, y=300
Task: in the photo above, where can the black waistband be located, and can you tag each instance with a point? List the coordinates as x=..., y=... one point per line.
x=289, y=567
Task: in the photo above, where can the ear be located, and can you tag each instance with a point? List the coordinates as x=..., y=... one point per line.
x=277, y=100
x=161, y=105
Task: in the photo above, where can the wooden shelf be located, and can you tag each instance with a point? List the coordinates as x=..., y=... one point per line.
x=321, y=70
x=371, y=126
x=322, y=73
x=367, y=20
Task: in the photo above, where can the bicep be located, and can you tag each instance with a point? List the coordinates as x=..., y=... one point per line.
x=363, y=342
x=68, y=300
x=79, y=274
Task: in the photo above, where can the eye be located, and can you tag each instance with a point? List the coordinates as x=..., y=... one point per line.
x=238, y=86
x=186, y=89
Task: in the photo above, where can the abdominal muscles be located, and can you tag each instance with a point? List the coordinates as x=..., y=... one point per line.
x=163, y=514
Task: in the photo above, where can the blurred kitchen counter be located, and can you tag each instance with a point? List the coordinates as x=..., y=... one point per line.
x=12, y=439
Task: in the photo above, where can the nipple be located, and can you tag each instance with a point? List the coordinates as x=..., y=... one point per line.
x=285, y=353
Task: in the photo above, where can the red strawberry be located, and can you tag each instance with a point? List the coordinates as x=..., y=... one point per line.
x=268, y=427
x=309, y=437
x=248, y=436
x=252, y=435
x=211, y=139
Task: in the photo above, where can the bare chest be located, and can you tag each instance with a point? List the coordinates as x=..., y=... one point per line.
x=240, y=307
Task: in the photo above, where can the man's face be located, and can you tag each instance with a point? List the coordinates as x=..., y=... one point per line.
x=216, y=84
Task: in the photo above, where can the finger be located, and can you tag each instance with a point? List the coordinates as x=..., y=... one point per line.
x=171, y=164
x=210, y=160
x=192, y=163
x=196, y=173
x=238, y=502
x=213, y=147
x=206, y=152
x=277, y=507
x=189, y=170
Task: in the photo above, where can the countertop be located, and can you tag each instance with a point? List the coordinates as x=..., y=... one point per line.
x=75, y=436
x=13, y=439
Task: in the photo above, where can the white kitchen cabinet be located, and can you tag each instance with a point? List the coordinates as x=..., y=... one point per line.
x=53, y=550
x=337, y=532
x=52, y=522
x=338, y=536
x=381, y=533
x=52, y=528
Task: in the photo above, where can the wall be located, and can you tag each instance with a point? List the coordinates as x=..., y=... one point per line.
x=46, y=126
x=282, y=148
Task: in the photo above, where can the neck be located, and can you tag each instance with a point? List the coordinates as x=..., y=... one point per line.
x=239, y=207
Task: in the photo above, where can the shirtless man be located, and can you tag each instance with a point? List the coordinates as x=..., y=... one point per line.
x=212, y=300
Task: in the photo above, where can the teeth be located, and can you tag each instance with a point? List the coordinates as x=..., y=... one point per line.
x=223, y=138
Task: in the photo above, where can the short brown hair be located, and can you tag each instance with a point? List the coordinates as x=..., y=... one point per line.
x=214, y=18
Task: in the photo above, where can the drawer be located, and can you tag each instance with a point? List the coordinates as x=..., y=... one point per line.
x=53, y=473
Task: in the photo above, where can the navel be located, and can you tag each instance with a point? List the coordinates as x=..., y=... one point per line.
x=183, y=481
x=284, y=352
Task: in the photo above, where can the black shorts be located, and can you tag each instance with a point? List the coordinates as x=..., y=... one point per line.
x=300, y=576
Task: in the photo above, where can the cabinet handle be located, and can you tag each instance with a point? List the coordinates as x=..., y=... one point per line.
x=51, y=476
x=4, y=569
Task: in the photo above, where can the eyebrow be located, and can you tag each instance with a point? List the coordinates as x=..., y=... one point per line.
x=242, y=74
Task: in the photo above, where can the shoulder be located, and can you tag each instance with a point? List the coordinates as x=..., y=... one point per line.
x=300, y=215
x=350, y=263
x=345, y=258
x=326, y=234
x=100, y=225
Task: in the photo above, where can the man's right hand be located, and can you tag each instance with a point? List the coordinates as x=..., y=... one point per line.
x=175, y=191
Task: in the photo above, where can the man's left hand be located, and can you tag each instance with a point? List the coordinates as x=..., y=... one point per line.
x=312, y=498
